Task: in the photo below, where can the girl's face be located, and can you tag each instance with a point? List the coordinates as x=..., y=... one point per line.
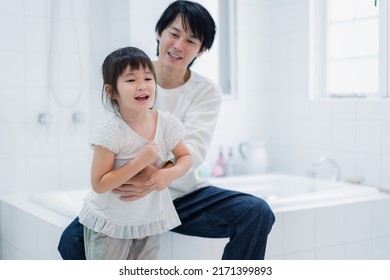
x=178, y=47
x=136, y=89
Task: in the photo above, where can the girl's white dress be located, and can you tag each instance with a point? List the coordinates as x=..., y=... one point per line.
x=150, y=215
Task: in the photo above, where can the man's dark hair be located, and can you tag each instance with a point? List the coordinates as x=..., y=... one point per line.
x=194, y=16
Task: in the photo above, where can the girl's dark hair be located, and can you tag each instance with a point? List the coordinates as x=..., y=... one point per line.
x=194, y=16
x=116, y=63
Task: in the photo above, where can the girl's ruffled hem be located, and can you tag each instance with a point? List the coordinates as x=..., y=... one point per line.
x=136, y=229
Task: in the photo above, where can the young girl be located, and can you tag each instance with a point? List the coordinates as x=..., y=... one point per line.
x=131, y=137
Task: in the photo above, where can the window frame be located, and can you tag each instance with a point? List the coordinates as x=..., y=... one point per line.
x=318, y=54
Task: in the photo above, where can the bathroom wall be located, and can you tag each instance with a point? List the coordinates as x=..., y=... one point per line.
x=244, y=116
x=271, y=102
x=50, y=54
x=355, y=133
x=42, y=73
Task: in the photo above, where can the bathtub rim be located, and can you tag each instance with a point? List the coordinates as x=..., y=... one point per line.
x=22, y=201
x=372, y=193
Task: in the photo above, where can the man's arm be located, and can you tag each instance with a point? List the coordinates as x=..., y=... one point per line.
x=136, y=187
x=199, y=121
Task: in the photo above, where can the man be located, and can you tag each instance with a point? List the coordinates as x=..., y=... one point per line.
x=184, y=32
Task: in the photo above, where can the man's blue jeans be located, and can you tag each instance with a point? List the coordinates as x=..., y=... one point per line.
x=208, y=212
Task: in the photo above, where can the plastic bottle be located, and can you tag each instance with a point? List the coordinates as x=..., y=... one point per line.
x=219, y=168
x=231, y=164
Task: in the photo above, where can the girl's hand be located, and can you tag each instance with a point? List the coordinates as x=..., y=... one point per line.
x=148, y=153
x=160, y=180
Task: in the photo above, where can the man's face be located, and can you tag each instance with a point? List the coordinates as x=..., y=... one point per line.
x=178, y=47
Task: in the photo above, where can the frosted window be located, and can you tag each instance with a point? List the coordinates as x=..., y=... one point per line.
x=353, y=47
x=350, y=47
x=349, y=76
x=357, y=38
x=350, y=9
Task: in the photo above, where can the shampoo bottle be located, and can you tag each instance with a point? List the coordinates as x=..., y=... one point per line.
x=231, y=163
x=219, y=168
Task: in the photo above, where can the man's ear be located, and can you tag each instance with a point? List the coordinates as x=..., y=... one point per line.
x=201, y=52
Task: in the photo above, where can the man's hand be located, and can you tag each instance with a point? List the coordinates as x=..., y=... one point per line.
x=136, y=187
x=160, y=180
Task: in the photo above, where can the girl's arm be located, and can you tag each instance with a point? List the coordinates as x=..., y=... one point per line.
x=104, y=178
x=163, y=178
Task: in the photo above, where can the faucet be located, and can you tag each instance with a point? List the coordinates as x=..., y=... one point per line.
x=335, y=166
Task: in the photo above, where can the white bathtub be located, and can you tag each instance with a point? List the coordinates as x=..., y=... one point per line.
x=282, y=192
x=314, y=220
x=285, y=192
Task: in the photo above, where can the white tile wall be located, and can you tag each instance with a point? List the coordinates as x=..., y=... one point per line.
x=299, y=232
x=354, y=133
x=359, y=250
x=385, y=174
x=369, y=164
x=275, y=244
x=272, y=78
x=354, y=230
x=350, y=231
x=329, y=229
x=380, y=218
x=358, y=222
x=380, y=248
x=331, y=253
x=44, y=155
x=25, y=235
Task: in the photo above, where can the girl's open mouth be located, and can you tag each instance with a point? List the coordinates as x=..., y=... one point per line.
x=142, y=97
